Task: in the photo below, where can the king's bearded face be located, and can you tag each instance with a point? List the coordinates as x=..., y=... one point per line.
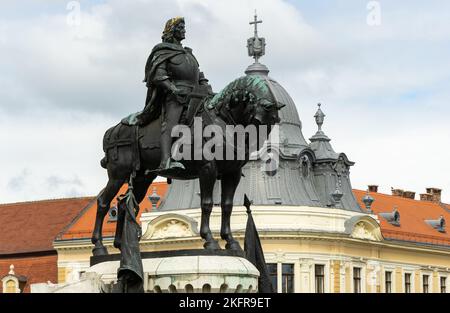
x=179, y=31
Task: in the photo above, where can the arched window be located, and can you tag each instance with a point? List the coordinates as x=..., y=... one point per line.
x=11, y=286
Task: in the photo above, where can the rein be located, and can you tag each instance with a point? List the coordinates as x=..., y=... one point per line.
x=228, y=118
x=226, y=115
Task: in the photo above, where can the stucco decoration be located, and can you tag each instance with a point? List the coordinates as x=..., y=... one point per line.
x=171, y=226
x=363, y=227
x=362, y=232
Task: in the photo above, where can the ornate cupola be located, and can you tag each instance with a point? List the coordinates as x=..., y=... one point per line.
x=331, y=170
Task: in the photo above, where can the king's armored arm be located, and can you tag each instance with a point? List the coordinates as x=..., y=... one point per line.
x=162, y=79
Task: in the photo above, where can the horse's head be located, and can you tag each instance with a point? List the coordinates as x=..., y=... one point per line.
x=247, y=100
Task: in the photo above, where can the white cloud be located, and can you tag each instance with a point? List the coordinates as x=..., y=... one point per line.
x=384, y=89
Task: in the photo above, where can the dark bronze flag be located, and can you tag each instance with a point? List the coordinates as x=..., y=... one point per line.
x=254, y=252
x=130, y=273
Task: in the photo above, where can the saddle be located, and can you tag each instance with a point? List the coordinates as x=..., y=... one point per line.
x=194, y=100
x=127, y=133
x=117, y=137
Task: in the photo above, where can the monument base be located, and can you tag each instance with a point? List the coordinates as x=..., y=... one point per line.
x=191, y=271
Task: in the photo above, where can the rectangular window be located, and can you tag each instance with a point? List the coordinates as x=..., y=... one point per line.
x=273, y=274
x=288, y=278
x=407, y=282
x=319, y=273
x=443, y=284
x=425, y=286
x=388, y=282
x=357, y=280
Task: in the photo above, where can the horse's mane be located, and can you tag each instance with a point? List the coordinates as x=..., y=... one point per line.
x=254, y=84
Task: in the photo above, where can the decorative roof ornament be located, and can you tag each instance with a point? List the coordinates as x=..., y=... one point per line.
x=11, y=270
x=320, y=117
x=368, y=200
x=320, y=144
x=256, y=48
x=154, y=198
x=337, y=196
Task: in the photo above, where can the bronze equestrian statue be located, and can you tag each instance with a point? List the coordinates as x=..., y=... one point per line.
x=133, y=147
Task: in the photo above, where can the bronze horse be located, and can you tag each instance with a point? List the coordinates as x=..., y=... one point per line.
x=245, y=101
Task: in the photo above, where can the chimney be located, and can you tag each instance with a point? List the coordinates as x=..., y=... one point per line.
x=435, y=194
x=426, y=197
x=397, y=192
x=373, y=188
x=409, y=194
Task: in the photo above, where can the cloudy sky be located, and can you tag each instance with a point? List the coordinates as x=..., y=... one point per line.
x=66, y=75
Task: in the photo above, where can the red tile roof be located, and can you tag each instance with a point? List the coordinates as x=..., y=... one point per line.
x=412, y=227
x=82, y=226
x=42, y=221
x=413, y=214
x=32, y=226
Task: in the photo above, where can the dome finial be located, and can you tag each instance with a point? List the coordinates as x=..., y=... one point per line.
x=256, y=45
x=154, y=198
x=320, y=117
x=256, y=48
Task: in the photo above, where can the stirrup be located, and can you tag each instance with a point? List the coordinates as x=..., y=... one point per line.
x=168, y=167
x=170, y=164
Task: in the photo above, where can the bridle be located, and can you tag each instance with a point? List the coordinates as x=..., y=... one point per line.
x=226, y=115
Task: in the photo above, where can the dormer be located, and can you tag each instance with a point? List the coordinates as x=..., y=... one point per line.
x=13, y=283
x=438, y=224
x=392, y=218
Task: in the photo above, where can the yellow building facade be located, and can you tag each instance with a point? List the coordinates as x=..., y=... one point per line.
x=307, y=250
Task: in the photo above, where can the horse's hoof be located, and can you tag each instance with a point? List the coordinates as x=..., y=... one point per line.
x=234, y=245
x=212, y=245
x=117, y=244
x=98, y=251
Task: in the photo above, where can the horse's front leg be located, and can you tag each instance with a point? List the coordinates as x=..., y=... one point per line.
x=103, y=203
x=207, y=178
x=229, y=183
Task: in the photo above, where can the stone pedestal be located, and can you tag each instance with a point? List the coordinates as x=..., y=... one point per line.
x=90, y=283
x=191, y=271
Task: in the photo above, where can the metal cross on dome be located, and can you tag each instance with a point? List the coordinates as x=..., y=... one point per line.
x=256, y=22
x=256, y=45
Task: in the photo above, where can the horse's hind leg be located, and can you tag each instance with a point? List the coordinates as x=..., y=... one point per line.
x=207, y=178
x=141, y=185
x=103, y=202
